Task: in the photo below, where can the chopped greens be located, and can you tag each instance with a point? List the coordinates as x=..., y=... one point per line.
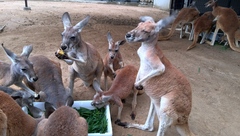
x=96, y=119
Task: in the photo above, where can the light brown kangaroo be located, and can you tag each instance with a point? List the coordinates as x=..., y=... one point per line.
x=185, y=16
x=227, y=21
x=169, y=90
x=113, y=59
x=49, y=85
x=121, y=88
x=86, y=63
x=202, y=24
x=21, y=67
x=16, y=122
x=63, y=121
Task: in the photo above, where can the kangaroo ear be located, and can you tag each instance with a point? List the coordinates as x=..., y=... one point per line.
x=69, y=101
x=106, y=98
x=12, y=56
x=49, y=109
x=164, y=22
x=27, y=50
x=109, y=37
x=79, y=26
x=66, y=20
x=121, y=42
x=146, y=18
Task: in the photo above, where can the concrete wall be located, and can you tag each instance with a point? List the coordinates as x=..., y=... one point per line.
x=162, y=4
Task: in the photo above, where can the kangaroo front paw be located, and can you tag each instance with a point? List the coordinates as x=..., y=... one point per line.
x=60, y=54
x=133, y=116
x=119, y=123
x=114, y=75
x=37, y=96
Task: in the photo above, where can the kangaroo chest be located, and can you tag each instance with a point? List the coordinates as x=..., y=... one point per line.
x=145, y=62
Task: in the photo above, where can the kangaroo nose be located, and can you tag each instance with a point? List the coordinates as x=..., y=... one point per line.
x=64, y=47
x=128, y=35
x=35, y=79
x=112, y=57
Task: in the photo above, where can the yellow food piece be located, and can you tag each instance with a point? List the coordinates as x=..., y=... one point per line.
x=60, y=52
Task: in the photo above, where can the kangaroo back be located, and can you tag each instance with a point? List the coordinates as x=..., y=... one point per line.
x=65, y=121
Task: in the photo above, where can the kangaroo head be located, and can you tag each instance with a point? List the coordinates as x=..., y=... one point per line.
x=113, y=46
x=210, y=3
x=21, y=65
x=100, y=100
x=147, y=30
x=71, y=34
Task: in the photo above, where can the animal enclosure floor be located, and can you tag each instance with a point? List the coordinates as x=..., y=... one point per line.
x=213, y=71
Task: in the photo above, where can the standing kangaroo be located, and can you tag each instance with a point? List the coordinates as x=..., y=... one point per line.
x=202, y=24
x=227, y=21
x=86, y=63
x=169, y=90
x=21, y=67
x=113, y=59
x=185, y=16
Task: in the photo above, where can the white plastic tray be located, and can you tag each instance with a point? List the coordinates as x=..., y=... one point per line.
x=86, y=104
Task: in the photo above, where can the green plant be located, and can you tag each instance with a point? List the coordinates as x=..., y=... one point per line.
x=96, y=119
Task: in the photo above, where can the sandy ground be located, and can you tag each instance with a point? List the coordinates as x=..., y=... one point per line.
x=213, y=71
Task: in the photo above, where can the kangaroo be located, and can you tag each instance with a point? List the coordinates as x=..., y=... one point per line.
x=21, y=67
x=227, y=21
x=86, y=63
x=121, y=88
x=202, y=24
x=16, y=122
x=49, y=85
x=236, y=37
x=169, y=90
x=63, y=121
x=24, y=99
x=113, y=59
x=185, y=16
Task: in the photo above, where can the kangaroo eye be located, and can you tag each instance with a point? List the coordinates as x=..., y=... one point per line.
x=23, y=69
x=116, y=50
x=72, y=38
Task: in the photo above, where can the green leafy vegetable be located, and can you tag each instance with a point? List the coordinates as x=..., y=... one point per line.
x=96, y=119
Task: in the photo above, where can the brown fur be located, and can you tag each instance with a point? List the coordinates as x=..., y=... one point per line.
x=49, y=85
x=169, y=90
x=3, y=124
x=185, y=15
x=202, y=24
x=62, y=123
x=227, y=21
x=86, y=62
x=113, y=59
x=18, y=122
x=121, y=88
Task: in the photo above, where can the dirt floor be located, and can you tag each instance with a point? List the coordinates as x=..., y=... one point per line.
x=213, y=71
